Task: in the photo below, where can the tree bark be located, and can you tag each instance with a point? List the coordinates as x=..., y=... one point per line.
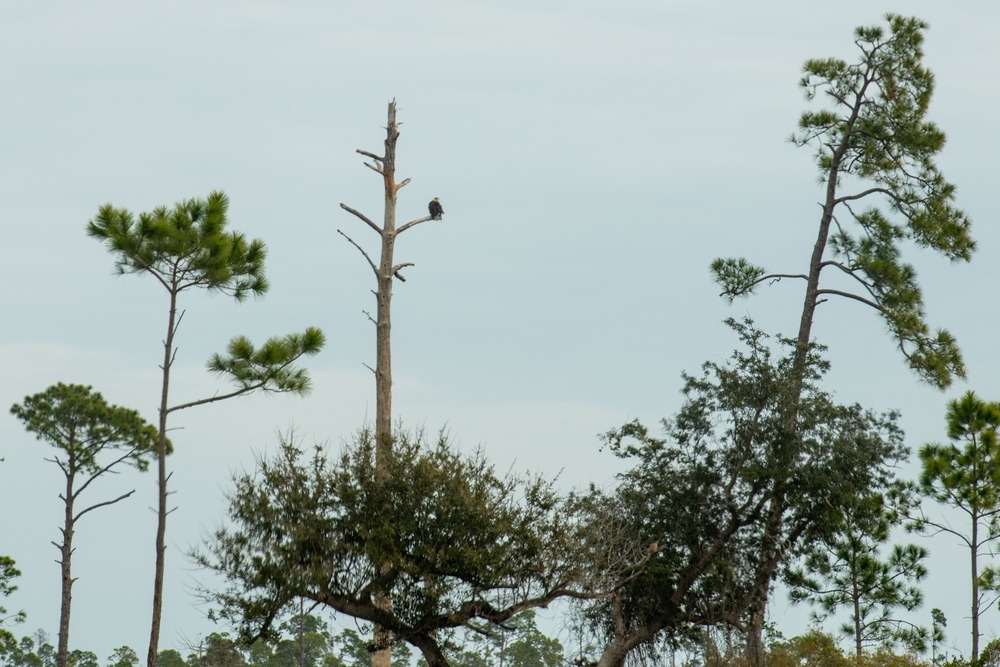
x=385, y=272
x=65, y=562
x=161, y=460
x=383, y=356
x=755, y=631
x=975, y=584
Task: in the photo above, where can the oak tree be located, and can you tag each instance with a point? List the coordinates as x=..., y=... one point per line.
x=466, y=545
x=698, y=500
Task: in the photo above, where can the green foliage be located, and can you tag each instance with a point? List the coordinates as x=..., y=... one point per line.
x=219, y=650
x=186, y=246
x=78, y=658
x=8, y=573
x=87, y=430
x=516, y=644
x=31, y=651
x=123, y=656
x=938, y=624
x=684, y=529
x=814, y=649
x=737, y=276
x=459, y=537
x=847, y=570
x=874, y=146
x=967, y=479
x=269, y=367
x=170, y=658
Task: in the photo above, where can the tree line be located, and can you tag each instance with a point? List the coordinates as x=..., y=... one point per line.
x=761, y=475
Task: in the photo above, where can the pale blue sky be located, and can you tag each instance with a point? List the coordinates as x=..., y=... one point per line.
x=592, y=158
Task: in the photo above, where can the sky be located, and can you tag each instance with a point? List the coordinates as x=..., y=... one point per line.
x=592, y=159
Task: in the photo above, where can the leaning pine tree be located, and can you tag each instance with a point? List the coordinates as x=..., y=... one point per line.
x=184, y=248
x=875, y=151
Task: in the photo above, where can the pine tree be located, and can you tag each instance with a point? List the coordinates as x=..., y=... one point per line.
x=183, y=248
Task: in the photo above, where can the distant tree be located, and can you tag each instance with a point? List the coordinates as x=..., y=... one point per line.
x=30, y=651
x=967, y=479
x=462, y=539
x=123, y=656
x=349, y=648
x=307, y=642
x=696, y=502
x=352, y=649
x=170, y=658
x=518, y=643
x=847, y=571
x=812, y=648
x=938, y=624
x=79, y=658
x=92, y=439
x=183, y=248
x=528, y=647
x=218, y=650
x=876, y=152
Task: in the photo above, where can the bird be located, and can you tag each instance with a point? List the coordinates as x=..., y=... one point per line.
x=434, y=208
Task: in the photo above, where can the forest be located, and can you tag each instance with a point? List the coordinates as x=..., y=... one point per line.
x=399, y=545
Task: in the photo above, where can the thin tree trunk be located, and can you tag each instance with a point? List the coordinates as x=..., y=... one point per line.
x=65, y=562
x=383, y=357
x=755, y=630
x=385, y=272
x=856, y=594
x=975, y=585
x=161, y=456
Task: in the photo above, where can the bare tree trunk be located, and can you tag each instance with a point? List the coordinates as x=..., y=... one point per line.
x=66, y=551
x=162, y=477
x=383, y=357
x=975, y=586
x=385, y=271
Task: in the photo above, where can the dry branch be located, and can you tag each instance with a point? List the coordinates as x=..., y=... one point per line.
x=362, y=250
x=362, y=217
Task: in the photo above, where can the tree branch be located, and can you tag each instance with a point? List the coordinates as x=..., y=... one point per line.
x=411, y=223
x=362, y=217
x=370, y=262
x=106, y=502
x=848, y=295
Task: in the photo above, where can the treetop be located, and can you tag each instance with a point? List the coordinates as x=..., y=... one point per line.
x=184, y=246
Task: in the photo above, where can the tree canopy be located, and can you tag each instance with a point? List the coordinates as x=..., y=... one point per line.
x=875, y=151
x=464, y=544
x=699, y=500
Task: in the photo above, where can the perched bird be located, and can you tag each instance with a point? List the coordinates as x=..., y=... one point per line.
x=435, y=209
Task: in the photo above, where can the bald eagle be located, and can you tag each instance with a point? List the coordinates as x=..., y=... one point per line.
x=434, y=208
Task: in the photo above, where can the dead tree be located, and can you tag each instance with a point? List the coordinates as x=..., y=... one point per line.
x=385, y=271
